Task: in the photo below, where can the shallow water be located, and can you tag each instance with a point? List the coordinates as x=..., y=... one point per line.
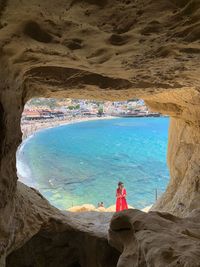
x=82, y=163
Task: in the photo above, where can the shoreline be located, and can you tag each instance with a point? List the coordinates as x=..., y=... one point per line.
x=32, y=127
x=29, y=129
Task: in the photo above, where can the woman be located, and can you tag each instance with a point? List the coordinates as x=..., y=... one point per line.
x=121, y=203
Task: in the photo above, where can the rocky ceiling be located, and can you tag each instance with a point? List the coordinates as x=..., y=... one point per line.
x=100, y=49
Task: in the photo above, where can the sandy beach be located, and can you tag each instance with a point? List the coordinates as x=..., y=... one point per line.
x=30, y=127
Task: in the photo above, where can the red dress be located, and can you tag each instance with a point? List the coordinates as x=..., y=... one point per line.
x=121, y=203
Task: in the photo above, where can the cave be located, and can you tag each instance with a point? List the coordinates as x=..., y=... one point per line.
x=115, y=50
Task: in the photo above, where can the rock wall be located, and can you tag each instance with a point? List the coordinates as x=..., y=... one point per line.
x=109, y=49
x=44, y=236
x=183, y=193
x=155, y=239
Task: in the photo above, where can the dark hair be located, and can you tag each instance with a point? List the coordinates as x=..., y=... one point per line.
x=120, y=183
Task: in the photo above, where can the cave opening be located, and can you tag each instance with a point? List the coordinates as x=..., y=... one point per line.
x=104, y=50
x=73, y=147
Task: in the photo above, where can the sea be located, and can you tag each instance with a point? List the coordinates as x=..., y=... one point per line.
x=82, y=162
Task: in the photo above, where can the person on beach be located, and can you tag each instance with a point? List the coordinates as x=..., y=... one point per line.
x=100, y=204
x=121, y=203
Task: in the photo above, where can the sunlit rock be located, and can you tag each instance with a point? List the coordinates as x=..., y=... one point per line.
x=112, y=50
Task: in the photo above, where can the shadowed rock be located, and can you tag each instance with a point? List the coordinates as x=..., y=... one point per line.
x=155, y=239
x=106, y=50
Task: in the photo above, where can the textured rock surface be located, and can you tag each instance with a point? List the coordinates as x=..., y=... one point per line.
x=108, y=49
x=60, y=239
x=90, y=207
x=156, y=239
x=183, y=192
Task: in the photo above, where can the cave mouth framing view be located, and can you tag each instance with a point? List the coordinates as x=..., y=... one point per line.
x=78, y=166
x=109, y=50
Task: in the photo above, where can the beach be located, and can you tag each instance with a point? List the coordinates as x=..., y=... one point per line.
x=30, y=127
x=70, y=170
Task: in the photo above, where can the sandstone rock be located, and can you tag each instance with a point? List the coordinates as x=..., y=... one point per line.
x=147, y=209
x=113, y=50
x=111, y=208
x=90, y=207
x=155, y=239
x=101, y=209
x=45, y=236
x=183, y=192
x=85, y=207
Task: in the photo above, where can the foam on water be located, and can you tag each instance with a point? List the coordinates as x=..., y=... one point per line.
x=82, y=163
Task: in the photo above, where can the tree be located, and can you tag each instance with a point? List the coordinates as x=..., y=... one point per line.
x=74, y=107
x=100, y=111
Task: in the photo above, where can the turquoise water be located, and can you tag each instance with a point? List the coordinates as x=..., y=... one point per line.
x=82, y=163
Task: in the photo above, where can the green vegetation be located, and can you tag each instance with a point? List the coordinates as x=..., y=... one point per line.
x=100, y=111
x=73, y=107
x=38, y=102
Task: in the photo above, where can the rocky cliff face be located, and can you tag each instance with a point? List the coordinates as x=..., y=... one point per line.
x=94, y=49
x=55, y=238
x=155, y=239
